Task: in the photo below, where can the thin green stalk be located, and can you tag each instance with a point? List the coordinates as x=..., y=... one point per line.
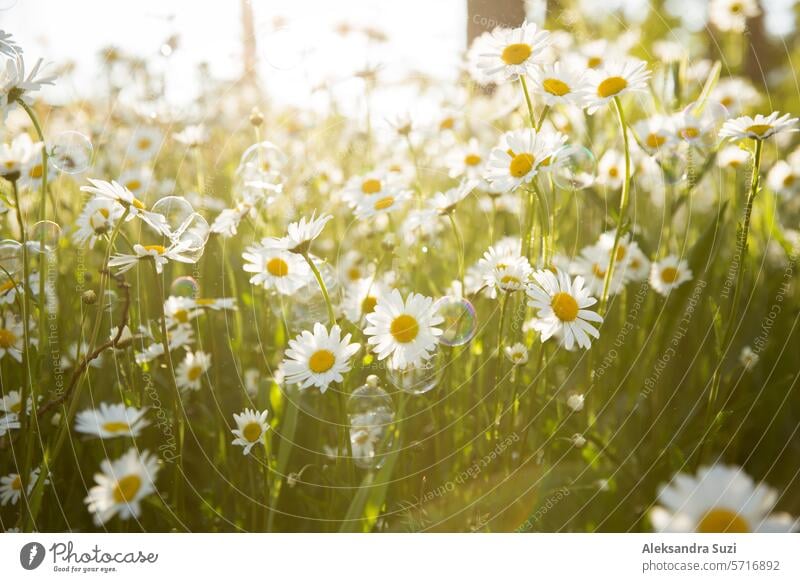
x=544, y=221
x=531, y=116
x=323, y=288
x=499, y=357
x=623, y=205
x=460, y=245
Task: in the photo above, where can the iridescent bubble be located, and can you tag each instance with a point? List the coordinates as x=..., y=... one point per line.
x=576, y=168
x=71, y=153
x=371, y=413
x=417, y=379
x=184, y=287
x=261, y=162
x=460, y=322
x=10, y=257
x=44, y=236
x=193, y=236
x=175, y=209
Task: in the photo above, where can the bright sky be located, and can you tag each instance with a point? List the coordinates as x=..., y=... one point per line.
x=427, y=35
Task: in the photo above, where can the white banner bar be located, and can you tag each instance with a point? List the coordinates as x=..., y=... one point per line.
x=400, y=557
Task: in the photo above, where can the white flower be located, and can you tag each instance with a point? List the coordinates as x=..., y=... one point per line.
x=278, y=269
x=98, y=218
x=615, y=79
x=11, y=487
x=446, y=202
x=361, y=297
x=300, y=234
x=467, y=162
x=655, y=133
x=784, y=178
x=367, y=431
x=510, y=53
x=558, y=84
x=319, y=358
x=506, y=273
x=121, y=486
x=11, y=403
x=405, y=330
x=735, y=95
x=758, y=127
x=111, y=420
x=732, y=156
x=720, y=499
x=191, y=370
x=668, y=274
x=611, y=169
x=578, y=440
x=192, y=136
x=12, y=338
x=161, y=256
x=575, y=402
x=732, y=15
x=118, y=193
x=516, y=160
x=144, y=144
x=517, y=354
x=7, y=423
x=251, y=426
x=15, y=84
x=15, y=156
x=562, y=308
x=748, y=358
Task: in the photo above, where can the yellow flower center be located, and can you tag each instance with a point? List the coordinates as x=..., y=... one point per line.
x=371, y=186
x=194, y=373
x=277, y=267
x=472, y=159
x=689, y=132
x=384, y=203
x=516, y=54
x=598, y=271
x=447, y=123
x=138, y=204
x=157, y=248
x=36, y=171
x=611, y=86
x=555, y=87
x=521, y=164
x=594, y=62
x=564, y=306
x=621, y=252
x=721, y=520
x=205, y=302
x=787, y=181
x=654, y=140
x=510, y=280
x=354, y=273
x=7, y=338
x=759, y=129
x=368, y=305
x=6, y=286
x=404, y=328
x=133, y=185
x=669, y=274
x=181, y=315
x=126, y=488
x=144, y=143
x=321, y=361
x=16, y=484
x=116, y=427
x=252, y=432
x=613, y=171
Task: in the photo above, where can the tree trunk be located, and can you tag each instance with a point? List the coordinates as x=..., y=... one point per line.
x=483, y=15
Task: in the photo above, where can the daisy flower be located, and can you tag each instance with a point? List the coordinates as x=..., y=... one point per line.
x=562, y=308
x=192, y=136
x=278, y=269
x=98, y=218
x=510, y=53
x=516, y=354
x=122, y=485
x=301, y=234
x=370, y=205
x=719, y=499
x=377, y=184
x=136, y=181
x=506, y=273
x=558, y=84
x=160, y=254
x=446, y=202
x=189, y=373
x=611, y=169
x=361, y=297
x=116, y=192
x=405, y=330
x=668, y=274
x=12, y=339
x=467, y=162
x=732, y=156
x=367, y=431
x=15, y=84
x=614, y=80
x=632, y=263
x=251, y=426
x=319, y=358
x=11, y=487
x=735, y=95
x=732, y=15
x=655, y=133
x=7, y=423
x=111, y=420
x=14, y=156
x=784, y=178
x=592, y=264
x=758, y=127
x=516, y=160
x=144, y=144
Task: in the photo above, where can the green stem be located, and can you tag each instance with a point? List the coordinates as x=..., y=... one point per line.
x=460, y=245
x=544, y=221
x=499, y=359
x=623, y=205
x=322, y=287
x=531, y=116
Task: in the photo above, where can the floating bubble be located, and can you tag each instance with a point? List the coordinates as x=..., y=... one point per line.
x=416, y=379
x=193, y=236
x=460, y=322
x=44, y=237
x=576, y=168
x=10, y=257
x=175, y=209
x=371, y=413
x=72, y=152
x=261, y=162
x=184, y=287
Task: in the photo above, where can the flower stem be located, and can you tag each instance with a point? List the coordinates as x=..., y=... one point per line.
x=499, y=358
x=624, y=201
x=531, y=116
x=322, y=287
x=460, y=245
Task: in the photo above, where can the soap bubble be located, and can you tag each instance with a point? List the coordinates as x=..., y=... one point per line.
x=460, y=322
x=10, y=257
x=47, y=232
x=576, y=168
x=371, y=413
x=261, y=162
x=186, y=226
x=71, y=153
x=417, y=379
x=184, y=287
x=175, y=209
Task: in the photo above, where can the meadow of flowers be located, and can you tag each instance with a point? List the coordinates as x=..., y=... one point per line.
x=565, y=301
